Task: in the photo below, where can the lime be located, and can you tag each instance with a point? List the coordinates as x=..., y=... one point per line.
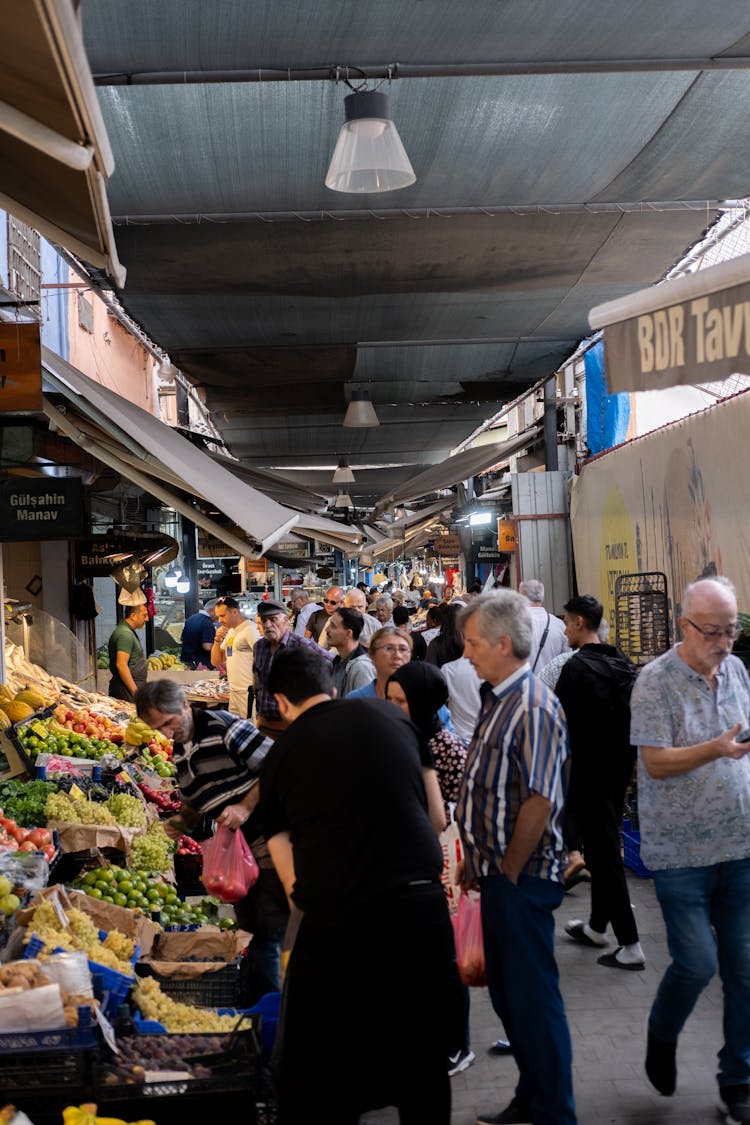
x=94, y=893
x=121, y=899
x=108, y=898
x=101, y=885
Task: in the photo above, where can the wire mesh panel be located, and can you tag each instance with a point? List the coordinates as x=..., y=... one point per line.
x=641, y=615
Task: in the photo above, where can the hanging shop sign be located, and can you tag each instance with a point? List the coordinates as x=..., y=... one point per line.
x=447, y=545
x=40, y=508
x=695, y=329
x=506, y=535
x=487, y=553
x=257, y=566
x=20, y=368
x=93, y=554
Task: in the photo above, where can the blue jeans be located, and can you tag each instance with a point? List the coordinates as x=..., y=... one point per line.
x=519, y=949
x=707, y=914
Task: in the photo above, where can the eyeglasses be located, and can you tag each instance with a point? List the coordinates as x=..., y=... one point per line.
x=402, y=650
x=732, y=632
x=331, y=601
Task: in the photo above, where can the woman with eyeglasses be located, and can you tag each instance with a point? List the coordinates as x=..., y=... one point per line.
x=389, y=649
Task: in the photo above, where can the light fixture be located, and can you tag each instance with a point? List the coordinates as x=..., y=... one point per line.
x=343, y=500
x=183, y=585
x=172, y=577
x=360, y=412
x=480, y=519
x=343, y=474
x=369, y=156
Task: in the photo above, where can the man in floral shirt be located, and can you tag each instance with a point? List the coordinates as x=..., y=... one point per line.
x=688, y=707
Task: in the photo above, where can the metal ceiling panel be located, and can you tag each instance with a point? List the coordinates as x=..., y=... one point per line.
x=565, y=155
x=175, y=34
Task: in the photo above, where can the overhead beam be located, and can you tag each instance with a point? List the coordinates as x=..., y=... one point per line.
x=386, y=71
x=181, y=218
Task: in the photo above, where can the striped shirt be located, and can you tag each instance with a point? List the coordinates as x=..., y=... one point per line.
x=221, y=764
x=519, y=749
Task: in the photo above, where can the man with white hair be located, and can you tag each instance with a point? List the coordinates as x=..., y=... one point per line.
x=549, y=638
x=509, y=811
x=690, y=712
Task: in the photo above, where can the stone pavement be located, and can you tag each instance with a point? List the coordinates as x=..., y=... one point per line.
x=607, y=1011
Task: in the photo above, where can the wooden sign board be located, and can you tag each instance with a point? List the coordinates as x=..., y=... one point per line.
x=20, y=368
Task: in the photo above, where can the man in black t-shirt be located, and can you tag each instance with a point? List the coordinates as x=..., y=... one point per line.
x=348, y=804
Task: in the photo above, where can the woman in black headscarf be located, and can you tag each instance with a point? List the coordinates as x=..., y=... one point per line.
x=420, y=690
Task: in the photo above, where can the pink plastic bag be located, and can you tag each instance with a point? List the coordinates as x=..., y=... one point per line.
x=467, y=934
x=229, y=867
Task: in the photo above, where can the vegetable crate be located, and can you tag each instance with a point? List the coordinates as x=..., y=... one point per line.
x=218, y=989
x=631, y=850
x=42, y=1065
x=110, y=986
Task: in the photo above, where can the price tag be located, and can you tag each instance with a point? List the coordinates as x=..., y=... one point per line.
x=76, y=793
x=107, y=1030
x=58, y=907
x=167, y=1075
x=123, y=778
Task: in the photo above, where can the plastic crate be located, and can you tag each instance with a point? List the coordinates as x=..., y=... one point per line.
x=110, y=986
x=631, y=851
x=79, y=1038
x=153, y=1027
x=268, y=1008
x=236, y=1065
x=218, y=989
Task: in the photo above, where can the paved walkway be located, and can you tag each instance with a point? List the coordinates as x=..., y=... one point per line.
x=607, y=1011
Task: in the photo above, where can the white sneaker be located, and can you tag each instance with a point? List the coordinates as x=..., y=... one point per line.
x=460, y=1061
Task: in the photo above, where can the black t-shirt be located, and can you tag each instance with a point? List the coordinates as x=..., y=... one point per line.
x=345, y=780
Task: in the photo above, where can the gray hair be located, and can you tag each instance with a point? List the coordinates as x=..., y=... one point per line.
x=501, y=613
x=386, y=601
x=532, y=589
x=159, y=695
x=725, y=586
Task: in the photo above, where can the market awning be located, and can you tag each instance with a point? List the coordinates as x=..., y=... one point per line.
x=54, y=152
x=695, y=329
x=150, y=454
x=457, y=468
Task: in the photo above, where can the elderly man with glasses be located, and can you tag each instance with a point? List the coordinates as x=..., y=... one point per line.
x=688, y=709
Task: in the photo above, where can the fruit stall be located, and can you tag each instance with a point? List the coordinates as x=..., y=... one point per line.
x=120, y=976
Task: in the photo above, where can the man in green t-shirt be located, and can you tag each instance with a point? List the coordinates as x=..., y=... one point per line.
x=127, y=662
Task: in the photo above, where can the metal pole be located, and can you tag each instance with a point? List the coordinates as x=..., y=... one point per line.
x=393, y=70
x=550, y=425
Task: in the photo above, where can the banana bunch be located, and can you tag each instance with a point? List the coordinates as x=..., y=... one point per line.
x=164, y=663
x=138, y=733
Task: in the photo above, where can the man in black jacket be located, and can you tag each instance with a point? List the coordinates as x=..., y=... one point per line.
x=594, y=688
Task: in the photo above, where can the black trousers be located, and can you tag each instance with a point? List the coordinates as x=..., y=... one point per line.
x=599, y=814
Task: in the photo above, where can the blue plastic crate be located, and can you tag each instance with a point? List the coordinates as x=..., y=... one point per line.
x=79, y=1038
x=110, y=986
x=267, y=1008
x=631, y=850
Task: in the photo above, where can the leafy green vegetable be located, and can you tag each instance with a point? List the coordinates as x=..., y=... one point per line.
x=24, y=801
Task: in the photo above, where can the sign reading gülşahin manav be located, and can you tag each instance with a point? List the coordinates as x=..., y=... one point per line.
x=40, y=509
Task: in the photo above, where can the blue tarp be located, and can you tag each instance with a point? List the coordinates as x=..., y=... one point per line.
x=607, y=416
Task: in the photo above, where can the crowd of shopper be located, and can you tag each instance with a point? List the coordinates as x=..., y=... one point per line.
x=356, y=783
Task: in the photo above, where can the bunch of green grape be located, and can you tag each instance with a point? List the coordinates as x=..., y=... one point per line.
x=59, y=806
x=153, y=851
x=127, y=811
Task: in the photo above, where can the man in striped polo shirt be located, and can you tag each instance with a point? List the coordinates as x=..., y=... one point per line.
x=218, y=757
x=509, y=811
